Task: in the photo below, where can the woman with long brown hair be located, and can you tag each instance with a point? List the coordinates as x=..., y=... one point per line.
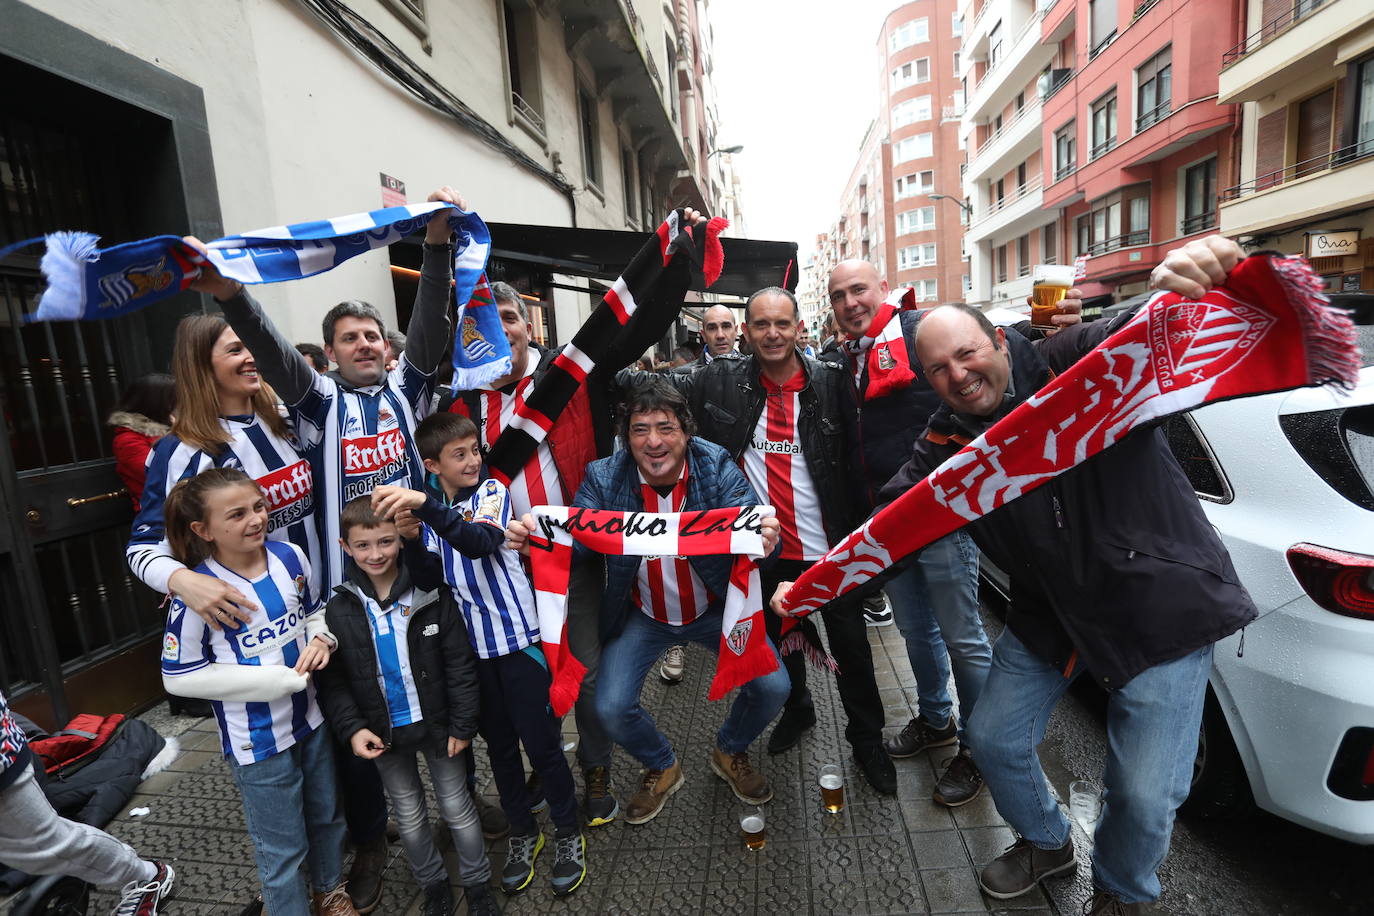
x=226, y=417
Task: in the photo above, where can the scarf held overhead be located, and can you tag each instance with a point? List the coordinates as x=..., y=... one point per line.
x=87, y=283
x=883, y=347
x=1268, y=328
x=744, y=653
x=651, y=288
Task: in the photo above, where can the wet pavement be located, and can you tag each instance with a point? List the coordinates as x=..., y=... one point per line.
x=879, y=855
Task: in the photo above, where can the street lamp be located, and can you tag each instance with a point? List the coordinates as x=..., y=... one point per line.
x=727, y=149
x=968, y=211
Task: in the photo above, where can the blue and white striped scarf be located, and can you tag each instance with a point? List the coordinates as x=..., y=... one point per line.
x=86, y=283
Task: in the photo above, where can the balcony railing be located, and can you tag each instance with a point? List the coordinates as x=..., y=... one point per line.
x=1152, y=117
x=1065, y=170
x=1006, y=126
x=1102, y=45
x=1143, y=7
x=996, y=206
x=1273, y=28
x=1317, y=164
x=526, y=111
x=1201, y=222
x=1125, y=240
x=1102, y=149
x=1045, y=6
x=995, y=55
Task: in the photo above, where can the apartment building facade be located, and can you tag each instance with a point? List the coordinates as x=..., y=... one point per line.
x=1303, y=76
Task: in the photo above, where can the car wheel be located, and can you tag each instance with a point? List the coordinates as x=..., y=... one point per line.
x=1220, y=787
x=54, y=896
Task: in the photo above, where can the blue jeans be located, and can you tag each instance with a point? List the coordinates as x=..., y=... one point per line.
x=935, y=603
x=290, y=803
x=400, y=773
x=1152, y=731
x=626, y=660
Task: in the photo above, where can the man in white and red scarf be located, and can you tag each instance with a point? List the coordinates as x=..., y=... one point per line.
x=1053, y=458
x=653, y=602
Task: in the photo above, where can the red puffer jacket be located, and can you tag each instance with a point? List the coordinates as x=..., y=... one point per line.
x=134, y=436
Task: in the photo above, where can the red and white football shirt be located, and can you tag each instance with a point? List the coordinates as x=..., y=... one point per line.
x=776, y=467
x=538, y=484
x=667, y=588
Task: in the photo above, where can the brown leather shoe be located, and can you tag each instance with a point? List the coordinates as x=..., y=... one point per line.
x=654, y=790
x=747, y=783
x=333, y=903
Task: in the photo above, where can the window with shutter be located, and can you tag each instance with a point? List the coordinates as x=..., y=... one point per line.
x=1313, y=145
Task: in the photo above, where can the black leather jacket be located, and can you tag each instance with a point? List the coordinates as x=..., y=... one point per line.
x=727, y=399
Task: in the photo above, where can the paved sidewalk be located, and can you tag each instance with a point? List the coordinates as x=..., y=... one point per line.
x=880, y=855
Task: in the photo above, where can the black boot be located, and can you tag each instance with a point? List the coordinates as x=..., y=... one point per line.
x=365, y=877
x=438, y=899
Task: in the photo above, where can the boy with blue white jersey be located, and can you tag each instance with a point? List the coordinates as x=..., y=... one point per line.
x=256, y=674
x=404, y=684
x=465, y=517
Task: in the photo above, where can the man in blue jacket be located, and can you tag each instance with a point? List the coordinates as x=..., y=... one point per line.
x=652, y=603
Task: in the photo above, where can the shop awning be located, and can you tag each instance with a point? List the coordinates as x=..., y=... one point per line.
x=602, y=254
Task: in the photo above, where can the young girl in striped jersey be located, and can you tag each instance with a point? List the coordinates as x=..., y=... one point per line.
x=256, y=675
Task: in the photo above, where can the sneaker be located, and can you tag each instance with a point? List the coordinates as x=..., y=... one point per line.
x=877, y=611
x=920, y=735
x=438, y=899
x=141, y=898
x=1105, y=904
x=495, y=826
x=654, y=790
x=1023, y=866
x=521, y=851
x=747, y=783
x=961, y=781
x=599, y=803
x=481, y=901
x=788, y=732
x=335, y=903
x=534, y=789
x=365, y=877
x=569, y=864
x=877, y=769
x=674, y=664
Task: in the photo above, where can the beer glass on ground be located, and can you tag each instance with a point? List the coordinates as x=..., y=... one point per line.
x=832, y=788
x=1050, y=283
x=754, y=829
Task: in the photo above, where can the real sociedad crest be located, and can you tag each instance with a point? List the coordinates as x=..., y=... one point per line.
x=135, y=281
x=474, y=344
x=1194, y=342
x=738, y=637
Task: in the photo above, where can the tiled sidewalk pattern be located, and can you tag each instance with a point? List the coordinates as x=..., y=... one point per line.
x=880, y=855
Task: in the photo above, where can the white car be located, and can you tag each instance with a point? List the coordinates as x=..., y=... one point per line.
x=1288, y=481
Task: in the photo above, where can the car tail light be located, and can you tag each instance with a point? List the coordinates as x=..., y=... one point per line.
x=1337, y=580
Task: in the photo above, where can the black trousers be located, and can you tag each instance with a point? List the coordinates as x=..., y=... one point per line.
x=515, y=711
x=848, y=638
x=364, y=801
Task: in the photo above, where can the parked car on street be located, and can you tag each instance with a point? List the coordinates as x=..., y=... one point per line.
x=1287, y=479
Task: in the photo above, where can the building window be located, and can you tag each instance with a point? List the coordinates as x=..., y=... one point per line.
x=1153, y=80
x=1023, y=261
x=1362, y=120
x=956, y=72
x=911, y=73
x=1312, y=143
x=956, y=25
x=920, y=146
x=967, y=284
x=926, y=291
x=1200, y=197
x=1065, y=150
x=522, y=67
x=591, y=136
x=627, y=183
x=910, y=112
x=922, y=219
x=994, y=45
x=671, y=82
x=1049, y=248
x=412, y=14
x=1118, y=220
x=915, y=256
x=1000, y=262
x=1101, y=25
x=1103, y=125
x=910, y=33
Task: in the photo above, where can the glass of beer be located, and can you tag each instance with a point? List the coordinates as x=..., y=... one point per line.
x=754, y=829
x=1050, y=284
x=832, y=788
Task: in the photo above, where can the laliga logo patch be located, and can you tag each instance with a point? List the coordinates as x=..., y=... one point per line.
x=739, y=636
x=171, y=649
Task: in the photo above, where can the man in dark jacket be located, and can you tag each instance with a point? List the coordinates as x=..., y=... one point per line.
x=1114, y=569
x=652, y=603
x=791, y=422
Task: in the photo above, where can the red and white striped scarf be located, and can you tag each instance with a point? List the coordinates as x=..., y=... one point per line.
x=1268, y=328
x=744, y=653
x=883, y=348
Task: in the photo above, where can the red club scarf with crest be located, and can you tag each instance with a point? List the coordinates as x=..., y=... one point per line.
x=884, y=348
x=1268, y=328
x=744, y=653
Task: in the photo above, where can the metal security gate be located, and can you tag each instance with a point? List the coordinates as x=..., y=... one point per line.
x=77, y=631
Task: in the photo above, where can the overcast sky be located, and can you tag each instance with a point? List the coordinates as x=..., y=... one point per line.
x=797, y=90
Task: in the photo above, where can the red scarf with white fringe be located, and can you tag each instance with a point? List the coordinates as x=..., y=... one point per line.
x=882, y=349
x=1268, y=328
x=744, y=652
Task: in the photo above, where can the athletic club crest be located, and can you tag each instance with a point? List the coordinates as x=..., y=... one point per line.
x=738, y=637
x=886, y=362
x=1195, y=342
